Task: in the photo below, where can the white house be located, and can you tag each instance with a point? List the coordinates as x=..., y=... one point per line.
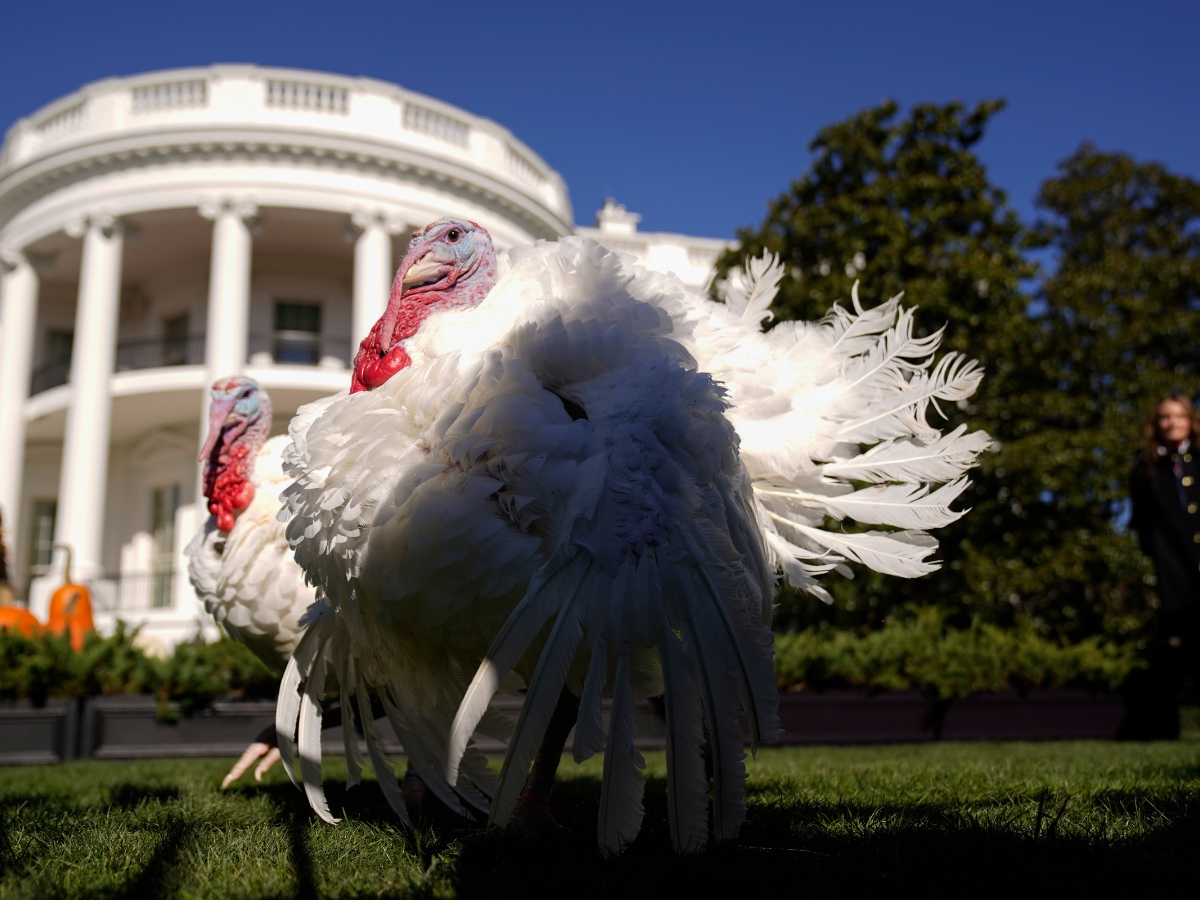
x=163, y=230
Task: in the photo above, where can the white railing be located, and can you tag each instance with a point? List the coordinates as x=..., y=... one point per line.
x=438, y=125
x=219, y=98
x=60, y=123
x=170, y=95
x=127, y=592
x=307, y=96
x=702, y=256
x=523, y=167
x=624, y=245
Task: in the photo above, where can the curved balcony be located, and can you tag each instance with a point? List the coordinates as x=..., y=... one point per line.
x=277, y=348
x=248, y=112
x=143, y=353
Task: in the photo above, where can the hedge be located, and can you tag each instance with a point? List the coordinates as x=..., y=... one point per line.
x=44, y=666
x=921, y=652
x=917, y=652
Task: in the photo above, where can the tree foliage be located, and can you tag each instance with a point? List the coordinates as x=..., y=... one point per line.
x=904, y=204
x=1120, y=317
x=1074, y=359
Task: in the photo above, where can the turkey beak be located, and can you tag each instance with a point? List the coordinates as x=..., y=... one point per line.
x=424, y=269
x=217, y=413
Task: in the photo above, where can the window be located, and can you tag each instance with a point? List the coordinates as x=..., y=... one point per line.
x=297, y=335
x=175, y=340
x=41, y=539
x=164, y=504
x=56, y=361
x=58, y=346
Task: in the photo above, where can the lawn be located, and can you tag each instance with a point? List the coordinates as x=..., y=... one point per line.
x=1081, y=817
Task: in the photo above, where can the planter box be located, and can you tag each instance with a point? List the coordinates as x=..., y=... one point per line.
x=38, y=734
x=855, y=717
x=125, y=727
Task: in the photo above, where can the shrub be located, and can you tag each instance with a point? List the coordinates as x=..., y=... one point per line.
x=44, y=666
x=197, y=673
x=920, y=652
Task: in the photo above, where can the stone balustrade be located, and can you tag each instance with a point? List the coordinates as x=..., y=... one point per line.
x=223, y=106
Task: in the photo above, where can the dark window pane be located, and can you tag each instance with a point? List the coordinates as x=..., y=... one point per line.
x=164, y=503
x=41, y=539
x=298, y=317
x=58, y=346
x=297, y=338
x=175, y=335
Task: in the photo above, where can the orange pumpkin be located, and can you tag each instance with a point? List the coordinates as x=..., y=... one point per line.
x=71, y=608
x=21, y=619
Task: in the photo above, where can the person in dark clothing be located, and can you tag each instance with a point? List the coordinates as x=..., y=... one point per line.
x=1165, y=490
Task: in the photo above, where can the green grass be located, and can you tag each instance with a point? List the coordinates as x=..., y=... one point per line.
x=1096, y=817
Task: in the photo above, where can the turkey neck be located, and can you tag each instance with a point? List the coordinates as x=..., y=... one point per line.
x=229, y=471
x=380, y=355
x=459, y=288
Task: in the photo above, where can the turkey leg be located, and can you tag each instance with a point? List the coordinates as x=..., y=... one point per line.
x=532, y=817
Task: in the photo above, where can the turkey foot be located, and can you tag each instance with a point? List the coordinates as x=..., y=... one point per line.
x=532, y=817
x=266, y=747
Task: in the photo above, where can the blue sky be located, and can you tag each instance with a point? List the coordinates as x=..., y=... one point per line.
x=693, y=114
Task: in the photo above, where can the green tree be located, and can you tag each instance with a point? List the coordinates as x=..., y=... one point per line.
x=1120, y=316
x=902, y=203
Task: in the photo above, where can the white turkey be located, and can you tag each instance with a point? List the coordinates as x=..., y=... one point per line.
x=240, y=563
x=584, y=476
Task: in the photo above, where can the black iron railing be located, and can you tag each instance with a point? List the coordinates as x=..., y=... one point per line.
x=296, y=348
x=151, y=353
x=299, y=348
x=49, y=375
x=143, y=353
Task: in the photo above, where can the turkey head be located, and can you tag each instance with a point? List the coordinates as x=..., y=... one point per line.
x=238, y=422
x=450, y=264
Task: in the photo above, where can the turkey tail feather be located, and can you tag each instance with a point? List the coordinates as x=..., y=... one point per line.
x=287, y=717
x=306, y=658
x=624, y=784
x=539, y=603
x=545, y=686
x=423, y=754
x=383, y=767
x=589, y=725
x=310, y=741
x=687, y=785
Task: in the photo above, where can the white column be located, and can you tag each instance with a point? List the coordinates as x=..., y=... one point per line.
x=18, y=314
x=81, y=486
x=228, y=325
x=372, y=274
x=227, y=328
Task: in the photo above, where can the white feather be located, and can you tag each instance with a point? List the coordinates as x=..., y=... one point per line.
x=899, y=505
x=621, y=808
x=909, y=460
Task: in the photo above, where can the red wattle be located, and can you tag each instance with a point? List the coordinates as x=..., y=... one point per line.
x=372, y=367
x=372, y=373
x=228, y=489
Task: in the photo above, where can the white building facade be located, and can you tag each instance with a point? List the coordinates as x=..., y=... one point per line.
x=160, y=231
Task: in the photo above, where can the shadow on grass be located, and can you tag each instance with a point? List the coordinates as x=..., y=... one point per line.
x=151, y=880
x=363, y=803
x=126, y=795
x=809, y=845
x=297, y=825
x=1109, y=842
